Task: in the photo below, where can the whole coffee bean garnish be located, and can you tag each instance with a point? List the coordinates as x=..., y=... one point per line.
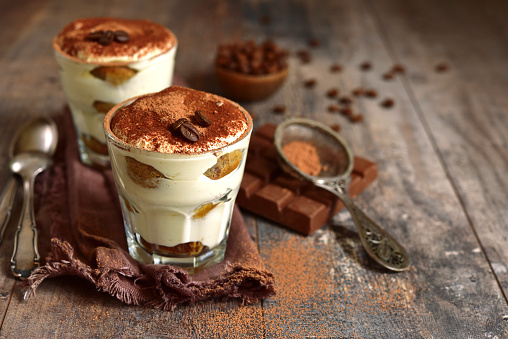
x=121, y=36
x=106, y=38
x=176, y=125
x=202, y=119
x=188, y=132
x=95, y=36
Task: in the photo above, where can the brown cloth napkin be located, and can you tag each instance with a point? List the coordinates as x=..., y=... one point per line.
x=81, y=234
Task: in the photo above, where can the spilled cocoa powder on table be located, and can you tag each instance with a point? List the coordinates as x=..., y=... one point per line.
x=321, y=292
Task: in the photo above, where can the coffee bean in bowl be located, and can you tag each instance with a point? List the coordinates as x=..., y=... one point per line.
x=248, y=71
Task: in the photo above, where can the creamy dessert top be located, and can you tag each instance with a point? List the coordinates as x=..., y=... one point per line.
x=148, y=122
x=146, y=40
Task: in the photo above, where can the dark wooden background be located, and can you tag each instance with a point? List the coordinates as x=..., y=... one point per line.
x=441, y=152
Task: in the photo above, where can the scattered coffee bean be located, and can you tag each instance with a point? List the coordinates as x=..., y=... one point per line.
x=333, y=108
x=314, y=42
x=95, y=36
x=280, y=109
x=202, y=119
x=335, y=68
x=358, y=92
x=356, y=117
x=441, y=67
x=121, y=36
x=346, y=111
x=265, y=19
x=176, y=125
x=346, y=101
x=398, y=68
x=336, y=127
x=332, y=93
x=371, y=93
x=388, y=76
x=365, y=66
x=387, y=103
x=188, y=132
x=106, y=38
x=310, y=83
x=304, y=56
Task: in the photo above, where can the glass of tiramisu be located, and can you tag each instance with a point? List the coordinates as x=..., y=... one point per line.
x=178, y=158
x=104, y=61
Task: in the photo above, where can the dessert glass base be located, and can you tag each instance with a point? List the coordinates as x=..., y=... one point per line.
x=144, y=253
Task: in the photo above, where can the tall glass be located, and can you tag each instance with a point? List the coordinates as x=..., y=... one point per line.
x=92, y=88
x=177, y=208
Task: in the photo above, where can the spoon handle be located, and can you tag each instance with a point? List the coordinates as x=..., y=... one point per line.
x=380, y=245
x=25, y=256
x=6, y=201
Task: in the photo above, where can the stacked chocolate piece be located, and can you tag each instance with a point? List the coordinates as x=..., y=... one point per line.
x=270, y=192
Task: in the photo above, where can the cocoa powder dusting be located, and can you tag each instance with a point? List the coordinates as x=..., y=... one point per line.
x=304, y=156
x=148, y=121
x=315, y=281
x=322, y=291
x=145, y=36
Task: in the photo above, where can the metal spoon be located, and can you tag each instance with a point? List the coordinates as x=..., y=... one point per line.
x=38, y=135
x=337, y=161
x=28, y=164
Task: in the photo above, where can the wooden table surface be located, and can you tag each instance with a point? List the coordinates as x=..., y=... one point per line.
x=441, y=152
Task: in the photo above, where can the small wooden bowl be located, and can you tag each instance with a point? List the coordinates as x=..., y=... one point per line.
x=246, y=87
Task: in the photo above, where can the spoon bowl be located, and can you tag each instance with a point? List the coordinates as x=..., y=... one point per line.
x=30, y=163
x=38, y=135
x=336, y=164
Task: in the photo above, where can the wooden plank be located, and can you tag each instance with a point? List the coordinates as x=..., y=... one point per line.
x=69, y=305
x=443, y=204
x=414, y=199
x=462, y=108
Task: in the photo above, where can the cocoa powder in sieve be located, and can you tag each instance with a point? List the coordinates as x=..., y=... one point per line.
x=304, y=156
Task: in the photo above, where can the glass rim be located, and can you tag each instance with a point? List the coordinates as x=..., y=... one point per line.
x=111, y=137
x=59, y=52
